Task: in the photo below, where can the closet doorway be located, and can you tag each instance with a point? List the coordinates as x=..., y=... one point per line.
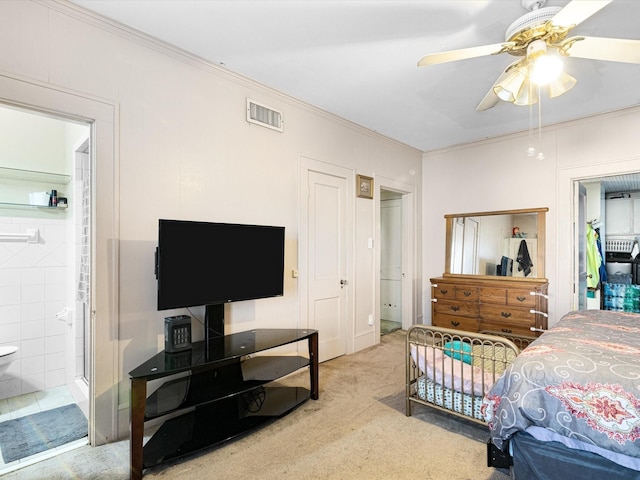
x=590, y=207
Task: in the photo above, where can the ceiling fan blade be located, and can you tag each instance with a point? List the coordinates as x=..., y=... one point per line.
x=608, y=49
x=462, y=54
x=578, y=11
x=490, y=100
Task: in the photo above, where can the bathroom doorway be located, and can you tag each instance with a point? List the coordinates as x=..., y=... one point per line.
x=391, y=271
x=396, y=256
x=45, y=191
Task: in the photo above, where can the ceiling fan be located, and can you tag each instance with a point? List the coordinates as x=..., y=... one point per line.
x=535, y=37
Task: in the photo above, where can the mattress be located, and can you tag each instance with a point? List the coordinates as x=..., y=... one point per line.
x=469, y=405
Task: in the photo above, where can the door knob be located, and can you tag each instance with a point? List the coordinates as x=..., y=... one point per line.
x=343, y=282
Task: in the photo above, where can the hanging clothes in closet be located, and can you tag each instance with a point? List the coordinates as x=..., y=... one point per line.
x=603, y=267
x=594, y=258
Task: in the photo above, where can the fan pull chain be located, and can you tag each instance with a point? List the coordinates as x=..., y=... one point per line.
x=540, y=154
x=531, y=151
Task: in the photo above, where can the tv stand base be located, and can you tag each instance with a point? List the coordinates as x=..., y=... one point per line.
x=216, y=394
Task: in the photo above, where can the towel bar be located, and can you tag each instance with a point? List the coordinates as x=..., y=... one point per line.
x=32, y=236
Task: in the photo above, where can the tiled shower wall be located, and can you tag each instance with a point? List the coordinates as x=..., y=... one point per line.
x=33, y=288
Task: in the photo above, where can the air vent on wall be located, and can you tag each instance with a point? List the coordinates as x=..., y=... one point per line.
x=263, y=115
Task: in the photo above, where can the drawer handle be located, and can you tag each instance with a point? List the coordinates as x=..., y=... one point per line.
x=455, y=324
x=444, y=291
x=455, y=308
x=467, y=293
x=506, y=330
x=505, y=314
x=521, y=299
x=543, y=295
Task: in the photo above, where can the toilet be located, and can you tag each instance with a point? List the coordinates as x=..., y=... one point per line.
x=7, y=355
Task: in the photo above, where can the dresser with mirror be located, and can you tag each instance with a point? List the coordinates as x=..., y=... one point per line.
x=494, y=277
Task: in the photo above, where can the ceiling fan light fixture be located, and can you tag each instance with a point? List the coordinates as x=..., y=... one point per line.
x=507, y=90
x=545, y=66
x=561, y=85
x=546, y=69
x=503, y=94
x=527, y=95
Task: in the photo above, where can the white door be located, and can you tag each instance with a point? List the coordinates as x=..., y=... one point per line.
x=323, y=260
x=457, y=245
x=580, y=227
x=470, y=247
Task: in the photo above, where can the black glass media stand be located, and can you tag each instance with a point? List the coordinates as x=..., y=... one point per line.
x=216, y=392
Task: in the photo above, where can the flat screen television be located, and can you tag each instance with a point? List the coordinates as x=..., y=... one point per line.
x=210, y=264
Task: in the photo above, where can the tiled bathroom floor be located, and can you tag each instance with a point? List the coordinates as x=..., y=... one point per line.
x=27, y=404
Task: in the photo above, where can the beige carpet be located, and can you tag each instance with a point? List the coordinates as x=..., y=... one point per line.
x=356, y=430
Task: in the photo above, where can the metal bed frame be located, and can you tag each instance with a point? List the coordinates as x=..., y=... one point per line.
x=490, y=354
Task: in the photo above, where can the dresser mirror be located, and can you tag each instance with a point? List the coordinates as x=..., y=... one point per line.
x=507, y=244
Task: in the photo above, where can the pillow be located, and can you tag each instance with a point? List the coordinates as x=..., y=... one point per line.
x=451, y=373
x=456, y=349
x=496, y=357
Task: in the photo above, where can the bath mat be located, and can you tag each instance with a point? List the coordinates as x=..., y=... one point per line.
x=25, y=436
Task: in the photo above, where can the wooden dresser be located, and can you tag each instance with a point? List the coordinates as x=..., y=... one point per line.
x=486, y=304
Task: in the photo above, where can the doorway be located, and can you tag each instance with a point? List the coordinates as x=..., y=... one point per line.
x=391, y=261
x=589, y=200
x=39, y=193
x=396, y=256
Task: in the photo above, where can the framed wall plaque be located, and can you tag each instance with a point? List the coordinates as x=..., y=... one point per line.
x=364, y=186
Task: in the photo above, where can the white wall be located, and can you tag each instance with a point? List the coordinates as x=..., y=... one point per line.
x=24, y=149
x=185, y=151
x=33, y=283
x=496, y=174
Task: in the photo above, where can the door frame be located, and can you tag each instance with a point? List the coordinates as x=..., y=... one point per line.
x=410, y=256
x=306, y=165
x=566, y=297
x=102, y=117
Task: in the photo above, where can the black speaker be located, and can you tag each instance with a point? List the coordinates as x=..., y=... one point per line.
x=177, y=333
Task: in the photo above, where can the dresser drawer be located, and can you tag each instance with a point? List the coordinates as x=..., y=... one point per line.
x=456, y=322
x=467, y=294
x=504, y=327
x=493, y=295
x=444, y=290
x=452, y=307
x=508, y=314
x=521, y=297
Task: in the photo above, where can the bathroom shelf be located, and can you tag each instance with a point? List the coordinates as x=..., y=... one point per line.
x=20, y=182
x=28, y=206
x=34, y=176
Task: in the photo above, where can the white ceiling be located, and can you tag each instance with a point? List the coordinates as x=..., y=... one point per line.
x=357, y=59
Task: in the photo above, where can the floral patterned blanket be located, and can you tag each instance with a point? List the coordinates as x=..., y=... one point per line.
x=580, y=379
